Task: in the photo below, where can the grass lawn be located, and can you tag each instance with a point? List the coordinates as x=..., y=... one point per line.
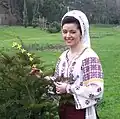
x=105, y=41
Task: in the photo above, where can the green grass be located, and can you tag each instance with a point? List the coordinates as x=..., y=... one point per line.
x=105, y=41
x=29, y=36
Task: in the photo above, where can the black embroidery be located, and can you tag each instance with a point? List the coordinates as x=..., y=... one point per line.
x=84, y=28
x=81, y=83
x=77, y=87
x=78, y=76
x=73, y=64
x=99, y=89
x=97, y=99
x=71, y=79
x=63, y=64
x=62, y=75
x=63, y=68
x=91, y=96
x=87, y=102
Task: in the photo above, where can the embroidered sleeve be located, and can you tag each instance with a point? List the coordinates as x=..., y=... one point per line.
x=91, y=68
x=92, y=85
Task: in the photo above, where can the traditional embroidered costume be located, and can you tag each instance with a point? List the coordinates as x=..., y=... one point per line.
x=85, y=84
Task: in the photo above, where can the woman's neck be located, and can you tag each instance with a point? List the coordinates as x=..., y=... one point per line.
x=77, y=49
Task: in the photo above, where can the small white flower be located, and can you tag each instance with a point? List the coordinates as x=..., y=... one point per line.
x=28, y=54
x=33, y=66
x=19, y=46
x=31, y=59
x=14, y=44
x=23, y=50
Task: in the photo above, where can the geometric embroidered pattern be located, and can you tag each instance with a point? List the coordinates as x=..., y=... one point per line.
x=91, y=68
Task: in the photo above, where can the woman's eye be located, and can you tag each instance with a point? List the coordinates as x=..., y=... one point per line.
x=72, y=32
x=64, y=32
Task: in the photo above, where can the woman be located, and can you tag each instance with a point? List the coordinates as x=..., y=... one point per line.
x=82, y=66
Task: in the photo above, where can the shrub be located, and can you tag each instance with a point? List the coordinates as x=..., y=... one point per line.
x=35, y=22
x=24, y=96
x=54, y=27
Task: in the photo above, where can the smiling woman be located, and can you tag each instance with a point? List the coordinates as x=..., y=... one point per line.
x=71, y=34
x=82, y=68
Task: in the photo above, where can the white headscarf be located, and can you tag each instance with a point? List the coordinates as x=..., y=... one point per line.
x=81, y=17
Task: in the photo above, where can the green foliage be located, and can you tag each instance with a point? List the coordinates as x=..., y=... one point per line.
x=35, y=22
x=54, y=27
x=23, y=95
x=52, y=10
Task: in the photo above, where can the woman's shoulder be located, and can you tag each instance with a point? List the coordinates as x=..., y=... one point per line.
x=90, y=57
x=90, y=53
x=63, y=55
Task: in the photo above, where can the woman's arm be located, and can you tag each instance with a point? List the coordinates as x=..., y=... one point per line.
x=92, y=86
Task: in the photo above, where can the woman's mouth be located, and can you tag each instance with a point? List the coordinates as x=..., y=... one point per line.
x=69, y=40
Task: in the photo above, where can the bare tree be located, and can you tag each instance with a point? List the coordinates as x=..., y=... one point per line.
x=35, y=19
x=25, y=16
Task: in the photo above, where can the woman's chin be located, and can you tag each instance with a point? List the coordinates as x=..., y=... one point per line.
x=69, y=44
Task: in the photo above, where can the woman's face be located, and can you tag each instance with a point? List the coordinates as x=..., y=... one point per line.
x=71, y=34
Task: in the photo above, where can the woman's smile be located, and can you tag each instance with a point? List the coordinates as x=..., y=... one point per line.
x=71, y=34
x=69, y=40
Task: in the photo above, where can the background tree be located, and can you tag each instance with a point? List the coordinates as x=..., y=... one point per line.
x=35, y=19
x=25, y=15
x=98, y=11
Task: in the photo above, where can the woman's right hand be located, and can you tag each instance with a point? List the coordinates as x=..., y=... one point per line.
x=35, y=71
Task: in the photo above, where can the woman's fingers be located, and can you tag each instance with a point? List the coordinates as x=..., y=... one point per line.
x=57, y=83
x=37, y=72
x=34, y=71
x=58, y=90
x=60, y=87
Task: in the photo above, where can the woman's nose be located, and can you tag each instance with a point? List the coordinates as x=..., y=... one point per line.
x=68, y=34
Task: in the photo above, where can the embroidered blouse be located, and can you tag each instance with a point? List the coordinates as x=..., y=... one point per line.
x=86, y=73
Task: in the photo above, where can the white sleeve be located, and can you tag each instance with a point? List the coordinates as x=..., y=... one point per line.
x=92, y=87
